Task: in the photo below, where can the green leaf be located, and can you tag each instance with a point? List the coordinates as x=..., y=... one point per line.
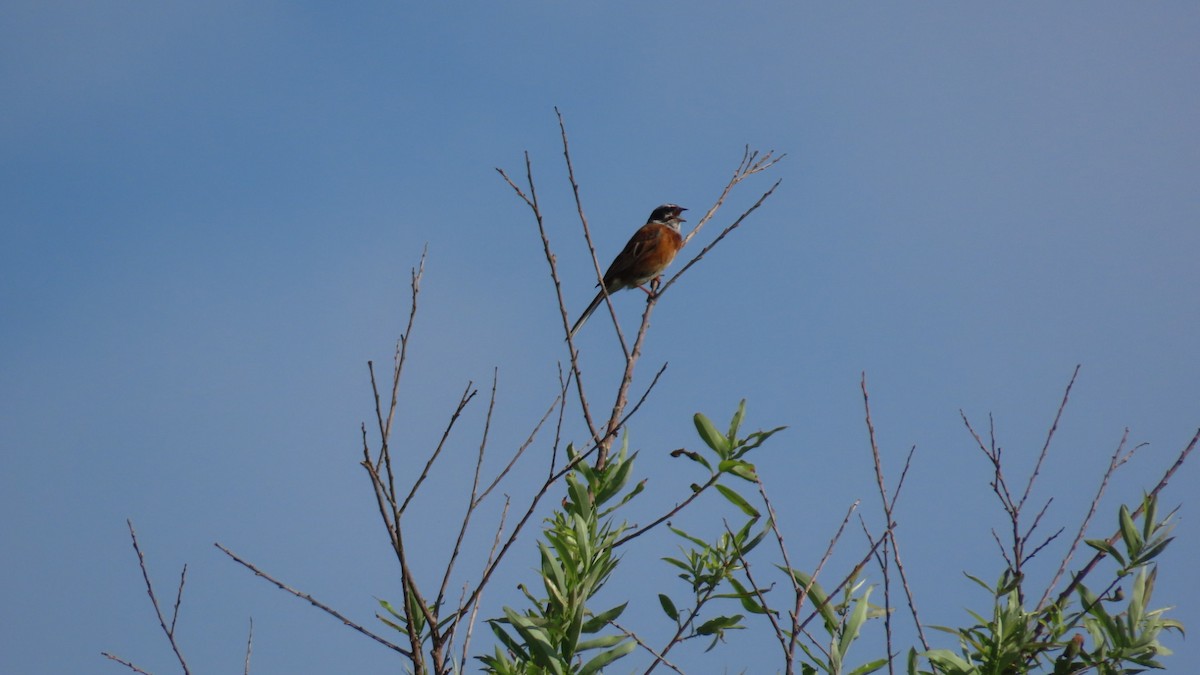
x=1103, y=546
x=756, y=439
x=747, y=597
x=607, y=657
x=599, y=643
x=719, y=624
x=737, y=419
x=695, y=540
x=1149, y=514
x=1156, y=548
x=737, y=500
x=855, y=622
x=740, y=468
x=541, y=650
x=602, y=619
x=668, y=607
x=944, y=658
x=388, y=606
x=711, y=437
x=817, y=594
x=391, y=624
x=871, y=667
x=694, y=456
x=986, y=587
x=1129, y=532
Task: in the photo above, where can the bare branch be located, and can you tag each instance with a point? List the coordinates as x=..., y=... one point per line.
x=249, y=647
x=1049, y=436
x=659, y=658
x=169, y=632
x=721, y=236
x=465, y=399
x=471, y=499
x=313, y=601
x=127, y=664
x=178, y=598
x=552, y=263
x=1100, y=555
x=474, y=602
x=1114, y=463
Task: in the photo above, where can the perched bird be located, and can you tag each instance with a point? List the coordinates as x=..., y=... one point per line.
x=647, y=254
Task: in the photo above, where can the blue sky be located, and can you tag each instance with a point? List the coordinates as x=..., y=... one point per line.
x=208, y=213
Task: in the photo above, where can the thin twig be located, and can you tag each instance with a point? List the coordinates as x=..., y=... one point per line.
x=178, y=598
x=249, y=647
x=520, y=450
x=1049, y=436
x=714, y=242
x=1100, y=555
x=474, y=603
x=659, y=657
x=127, y=664
x=169, y=632
x=313, y=601
x=471, y=503
x=552, y=263
x=1114, y=463
x=463, y=401
x=780, y=634
x=587, y=236
x=712, y=480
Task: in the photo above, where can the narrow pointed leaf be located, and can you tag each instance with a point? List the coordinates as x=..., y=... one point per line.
x=711, y=437
x=1129, y=532
x=737, y=419
x=607, y=657
x=737, y=500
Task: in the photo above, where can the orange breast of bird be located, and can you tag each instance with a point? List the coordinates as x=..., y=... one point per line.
x=647, y=254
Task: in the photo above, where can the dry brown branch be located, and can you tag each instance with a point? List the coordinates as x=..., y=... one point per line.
x=1049, y=437
x=733, y=226
x=1100, y=555
x=462, y=604
x=520, y=451
x=659, y=658
x=249, y=648
x=887, y=506
x=789, y=655
x=712, y=480
x=800, y=593
x=552, y=263
x=845, y=580
x=1114, y=463
x=468, y=394
x=471, y=499
x=587, y=236
x=751, y=164
x=127, y=664
x=313, y=601
x=168, y=631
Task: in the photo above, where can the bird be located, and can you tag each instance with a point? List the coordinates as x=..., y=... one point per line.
x=647, y=254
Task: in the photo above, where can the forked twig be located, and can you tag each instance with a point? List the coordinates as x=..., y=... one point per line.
x=169, y=631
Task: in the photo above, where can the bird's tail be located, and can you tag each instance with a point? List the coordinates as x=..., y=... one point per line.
x=587, y=312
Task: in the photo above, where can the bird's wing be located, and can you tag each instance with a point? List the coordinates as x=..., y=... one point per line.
x=641, y=242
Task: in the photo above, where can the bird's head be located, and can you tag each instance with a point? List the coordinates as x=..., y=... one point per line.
x=668, y=214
